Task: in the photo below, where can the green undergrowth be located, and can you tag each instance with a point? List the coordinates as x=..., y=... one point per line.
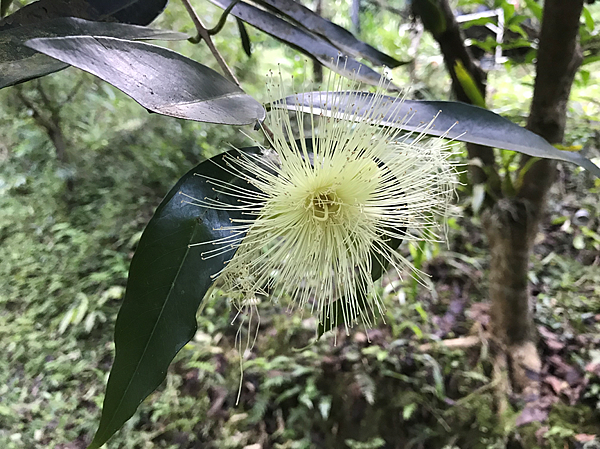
x=68, y=232
x=63, y=267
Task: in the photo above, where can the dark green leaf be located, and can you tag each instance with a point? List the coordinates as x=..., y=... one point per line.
x=338, y=36
x=304, y=41
x=456, y=121
x=244, y=37
x=44, y=10
x=159, y=79
x=136, y=12
x=167, y=281
x=19, y=63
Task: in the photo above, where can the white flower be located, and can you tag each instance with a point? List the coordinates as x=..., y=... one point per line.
x=329, y=204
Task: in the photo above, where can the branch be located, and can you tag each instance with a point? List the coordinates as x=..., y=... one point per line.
x=204, y=34
x=50, y=124
x=219, y=26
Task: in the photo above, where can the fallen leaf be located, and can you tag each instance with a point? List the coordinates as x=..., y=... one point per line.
x=585, y=437
x=531, y=414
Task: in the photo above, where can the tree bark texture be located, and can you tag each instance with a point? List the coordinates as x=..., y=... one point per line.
x=512, y=224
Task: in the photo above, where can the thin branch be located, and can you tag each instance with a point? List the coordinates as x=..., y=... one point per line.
x=73, y=92
x=219, y=26
x=38, y=115
x=203, y=34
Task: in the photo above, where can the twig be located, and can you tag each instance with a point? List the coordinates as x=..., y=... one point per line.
x=73, y=92
x=453, y=343
x=203, y=34
x=219, y=26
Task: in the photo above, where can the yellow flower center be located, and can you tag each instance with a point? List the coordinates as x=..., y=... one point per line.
x=324, y=205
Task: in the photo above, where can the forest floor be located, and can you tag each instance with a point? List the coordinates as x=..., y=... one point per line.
x=63, y=268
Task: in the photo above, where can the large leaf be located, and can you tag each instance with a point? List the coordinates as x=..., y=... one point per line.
x=457, y=121
x=19, y=63
x=137, y=12
x=338, y=36
x=167, y=281
x=159, y=79
x=306, y=42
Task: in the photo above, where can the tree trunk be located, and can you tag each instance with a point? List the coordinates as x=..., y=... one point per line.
x=513, y=223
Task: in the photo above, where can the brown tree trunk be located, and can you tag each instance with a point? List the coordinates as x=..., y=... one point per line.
x=513, y=223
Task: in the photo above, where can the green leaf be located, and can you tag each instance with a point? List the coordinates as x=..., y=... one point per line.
x=535, y=9
x=590, y=59
x=468, y=84
x=456, y=121
x=139, y=12
x=136, y=12
x=244, y=37
x=308, y=43
x=589, y=20
x=19, y=63
x=168, y=279
x=159, y=79
x=338, y=36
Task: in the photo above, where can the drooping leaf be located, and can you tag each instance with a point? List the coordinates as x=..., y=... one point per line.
x=161, y=80
x=167, y=282
x=468, y=84
x=338, y=36
x=456, y=121
x=306, y=42
x=245, y=38
x=19, y=63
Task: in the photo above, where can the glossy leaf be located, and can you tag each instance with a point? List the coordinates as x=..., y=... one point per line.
x=136, y=12
x=304, y=41
x=44, y=10
x=159, y=79
x=19, y=63
x=338, y=36
x=456, y=121
x=167, y=282
x=244, y=37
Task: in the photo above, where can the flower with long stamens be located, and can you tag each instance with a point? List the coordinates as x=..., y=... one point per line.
x=332, y=204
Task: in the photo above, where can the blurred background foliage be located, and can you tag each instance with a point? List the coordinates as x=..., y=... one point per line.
x=70, y=220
